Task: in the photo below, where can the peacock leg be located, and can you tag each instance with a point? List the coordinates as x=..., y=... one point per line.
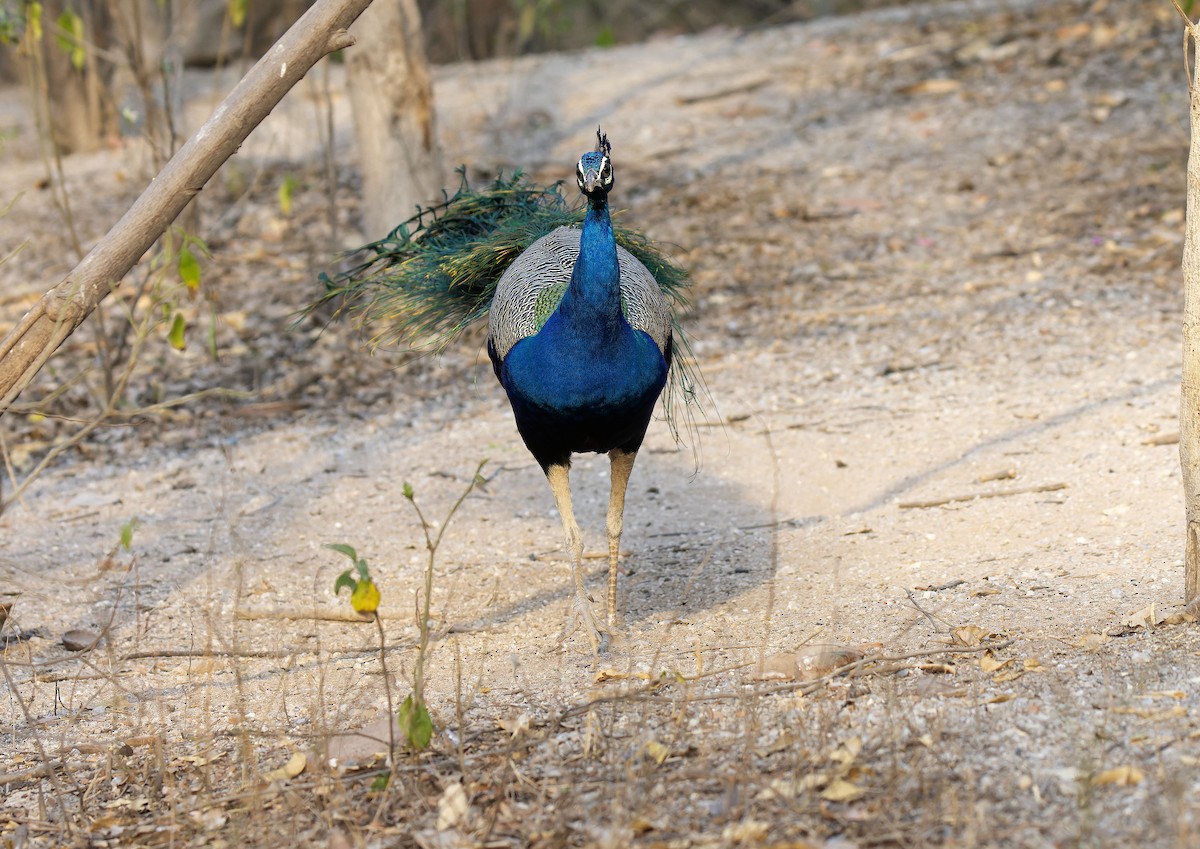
x=581, y=610
x=622, y=465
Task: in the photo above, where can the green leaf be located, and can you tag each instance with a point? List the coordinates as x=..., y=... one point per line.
x=381, y=782
x=606, y=37
x=344, y=580
x=70, y=39
x=127, y=533
x=237, y=12
x=287, y=189
x=416, y=723
x=342, y=548
x=408, y=491
x=178, y=328
x=189, y=268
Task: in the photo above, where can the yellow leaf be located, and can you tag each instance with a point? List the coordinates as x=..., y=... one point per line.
x=1121, y=776
x=295, y=765
x=291, y=769
x=657, y=751
x=365, y=598
x=1010, y=675
x=609, y=675
x=841, y=790
x=1032, y=664
x=1000, y=699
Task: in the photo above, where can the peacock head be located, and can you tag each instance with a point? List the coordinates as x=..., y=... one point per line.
x=594, y=174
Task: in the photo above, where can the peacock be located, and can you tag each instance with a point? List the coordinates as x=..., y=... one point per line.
x=581, y=329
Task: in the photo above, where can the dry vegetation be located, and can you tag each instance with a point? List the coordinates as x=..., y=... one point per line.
x=936, y=257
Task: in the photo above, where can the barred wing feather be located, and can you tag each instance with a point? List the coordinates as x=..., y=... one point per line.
x=531, y=287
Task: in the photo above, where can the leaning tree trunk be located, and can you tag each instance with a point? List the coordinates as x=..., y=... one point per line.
x=392, y=97
x=1189, y=396
x=54, y=318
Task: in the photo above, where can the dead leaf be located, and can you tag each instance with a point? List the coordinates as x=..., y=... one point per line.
x=1032, y=664
x=1153, y=714
x=846, y=753
x=812, y=661
x=1121, y=776
x=937, y=668
x=1147, y=617
x=209, y=819
x=1008, y=675
x=841, y=790
x=1179, y=617
x=990, y=664
x=968, y=635
x=984, y=592
x=609, y=675
x=363, y=744
x=939, y=85
x=752, y=832
x=657, y=751
x=1164, y=438
x=453, y=806
x=1002, y=698
x=295, y=765
x=515, y=725
x=1001, y=475
x=1091, y=642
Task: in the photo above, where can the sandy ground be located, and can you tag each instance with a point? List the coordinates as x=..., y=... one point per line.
x=935, y=255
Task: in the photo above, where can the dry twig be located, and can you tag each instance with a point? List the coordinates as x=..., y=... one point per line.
x=1000, y=493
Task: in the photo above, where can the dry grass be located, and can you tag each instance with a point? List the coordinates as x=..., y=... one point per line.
x=905, y=289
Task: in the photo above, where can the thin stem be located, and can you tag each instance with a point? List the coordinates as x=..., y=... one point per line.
x=432, y=544
x=387, y=687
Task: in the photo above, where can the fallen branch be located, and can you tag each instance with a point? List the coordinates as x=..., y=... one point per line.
x=999, y=493
x=39, y=771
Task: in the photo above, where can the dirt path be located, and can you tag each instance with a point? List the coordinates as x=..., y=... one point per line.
x=936, y=256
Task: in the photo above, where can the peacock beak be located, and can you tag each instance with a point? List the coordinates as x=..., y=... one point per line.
x=591, y=179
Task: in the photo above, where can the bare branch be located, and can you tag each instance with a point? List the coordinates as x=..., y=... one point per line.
x=321, y=30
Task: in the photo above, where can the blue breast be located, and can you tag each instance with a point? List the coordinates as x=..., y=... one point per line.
x=561, y=371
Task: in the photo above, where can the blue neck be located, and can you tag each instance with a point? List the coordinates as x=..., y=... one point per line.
x=592, y=302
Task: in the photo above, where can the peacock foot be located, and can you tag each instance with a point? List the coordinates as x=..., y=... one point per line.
x=582, y=617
